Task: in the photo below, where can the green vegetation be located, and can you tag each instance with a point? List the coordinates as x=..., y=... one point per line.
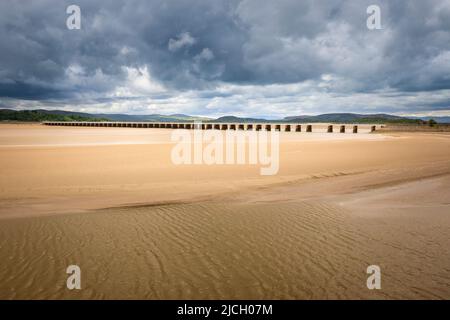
x=38, y=116
x=387, y=120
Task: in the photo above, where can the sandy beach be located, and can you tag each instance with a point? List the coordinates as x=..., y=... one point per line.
x=111, y=201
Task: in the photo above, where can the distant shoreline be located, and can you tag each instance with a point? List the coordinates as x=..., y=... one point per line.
x=62, y=115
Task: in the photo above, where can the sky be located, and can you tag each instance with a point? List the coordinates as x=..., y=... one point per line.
x=231, y=57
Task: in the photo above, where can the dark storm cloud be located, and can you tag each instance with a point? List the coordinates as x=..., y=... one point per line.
x=199, y=44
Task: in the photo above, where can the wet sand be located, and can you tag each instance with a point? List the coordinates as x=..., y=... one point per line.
x=111, y=201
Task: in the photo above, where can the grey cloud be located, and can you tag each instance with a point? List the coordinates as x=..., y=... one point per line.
x=202, y=46
x=183, y=40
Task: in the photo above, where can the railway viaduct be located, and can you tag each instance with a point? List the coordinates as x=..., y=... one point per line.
x=286, y=127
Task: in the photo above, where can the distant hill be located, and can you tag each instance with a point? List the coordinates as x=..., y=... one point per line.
x=437, y=119
x=61, y=115
x=137, y=118
x=151, y=117
x=329, y=117
x=237, y=119
x=353, y=118
x=188, y=117
x=43, y=115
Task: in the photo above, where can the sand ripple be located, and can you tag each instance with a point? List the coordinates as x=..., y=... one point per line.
x=214, y=250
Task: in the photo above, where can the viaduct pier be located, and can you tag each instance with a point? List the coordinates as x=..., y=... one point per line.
x=285, y=127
